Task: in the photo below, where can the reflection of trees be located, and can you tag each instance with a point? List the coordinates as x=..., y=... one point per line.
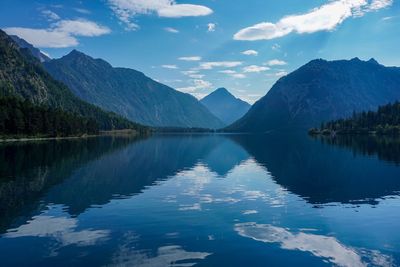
x=385, y=147
x=82, y=173
x=28, y=170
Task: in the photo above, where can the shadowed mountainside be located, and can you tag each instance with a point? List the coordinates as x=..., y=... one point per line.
x=321, y=91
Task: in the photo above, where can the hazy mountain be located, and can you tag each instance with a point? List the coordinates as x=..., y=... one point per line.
x=33, y=50
x=225, y=106
x=129, y=93
x=22, y=75
x=321, y=91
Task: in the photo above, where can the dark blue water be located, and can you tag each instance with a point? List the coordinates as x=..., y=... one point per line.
x=202, y=200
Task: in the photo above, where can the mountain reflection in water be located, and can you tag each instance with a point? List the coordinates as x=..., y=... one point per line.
x=172, y=200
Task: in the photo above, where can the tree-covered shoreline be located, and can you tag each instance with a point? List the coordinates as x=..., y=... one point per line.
x=384, y=121
x=20, y=118
x=23, y=76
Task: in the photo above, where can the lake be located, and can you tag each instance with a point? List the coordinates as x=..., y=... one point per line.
x=201, y=200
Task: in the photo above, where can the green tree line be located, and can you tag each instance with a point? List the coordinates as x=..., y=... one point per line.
x=22, y=118
x=384, y=121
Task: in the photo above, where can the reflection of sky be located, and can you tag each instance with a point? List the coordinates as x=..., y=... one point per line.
x=61, y=229
x=325, y=247
x=172, y=255
x=201, y=186
x=158, y=226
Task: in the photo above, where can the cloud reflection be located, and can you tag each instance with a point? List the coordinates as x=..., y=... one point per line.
x=321, y=246
x=61, y=229
x=171, y=255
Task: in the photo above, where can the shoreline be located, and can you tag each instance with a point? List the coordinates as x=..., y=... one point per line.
x=125, y=132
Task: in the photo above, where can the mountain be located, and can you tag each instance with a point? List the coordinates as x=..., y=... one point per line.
x=22, y=75
x=33, y=50
x=321, y=91
x=129, y=93
x=225, y=106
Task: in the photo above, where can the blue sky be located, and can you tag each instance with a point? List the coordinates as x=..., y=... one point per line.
x=197, y=46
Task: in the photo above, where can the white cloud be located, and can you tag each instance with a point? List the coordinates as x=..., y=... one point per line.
x=388, y=18
x=60, y=34
x=171, y=30
x=323, y=18
x=250, y=53
x=202, y=84
x=44, y=37
x=194, y=58
x=189, y=72
x=276, y=62
x=233, y=74
x=196, y=76
x=195, y=86
x=50, y=15
x=379, y=4
x=248, y=212
x=255, y=69
x=211, y=27
x=184, y=10
x=82, y=10
x=238, y=75
x=81, y=27
x=227, y=71
x=215, y=64
x=279, y=74
x=126, y=10
x=172, y=67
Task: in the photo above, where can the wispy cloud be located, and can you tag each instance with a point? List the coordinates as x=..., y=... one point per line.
x=171, y=30
x=172, y=67
x=323, y=18
x=189, y=72
x=215, y=64
x=278, y=74
x=194, y=74
x=276, y=62
x=60, y=34
x=250, y=53
x=388, y=18
x=197, y=76
x=82, y=10
x=50, y=15
x=255, y=69
x=192, y=58
x=227, y=71
x=233, y=74
x=196, y=87
x=238, y=75
x=126, y=10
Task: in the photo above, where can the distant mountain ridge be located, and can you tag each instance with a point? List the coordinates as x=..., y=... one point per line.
x=22, y=75
x=129, y=93
x=321, y=91
x=225, y=106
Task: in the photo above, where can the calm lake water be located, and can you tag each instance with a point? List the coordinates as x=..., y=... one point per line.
x=201, y=200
